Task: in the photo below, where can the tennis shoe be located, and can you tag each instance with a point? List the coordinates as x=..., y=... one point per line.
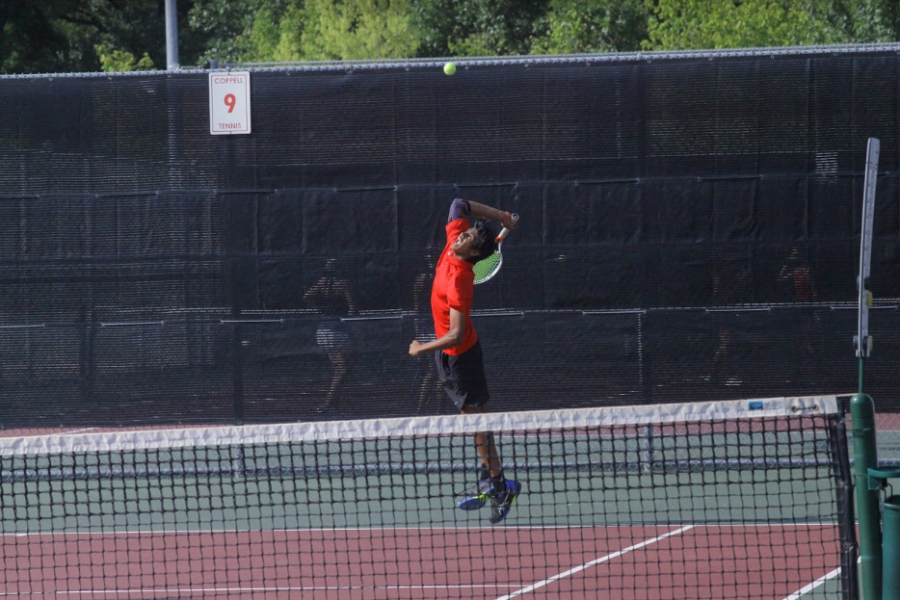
x=478, y=497
x=501, y=503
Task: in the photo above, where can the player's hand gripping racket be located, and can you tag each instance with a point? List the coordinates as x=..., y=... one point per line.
x=486, y=268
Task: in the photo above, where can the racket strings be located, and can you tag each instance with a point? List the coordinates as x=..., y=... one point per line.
x=485, y=269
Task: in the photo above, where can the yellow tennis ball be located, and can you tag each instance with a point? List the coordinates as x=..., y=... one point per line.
x=450, y=68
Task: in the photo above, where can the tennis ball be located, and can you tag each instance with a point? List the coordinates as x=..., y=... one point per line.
x=450, y=68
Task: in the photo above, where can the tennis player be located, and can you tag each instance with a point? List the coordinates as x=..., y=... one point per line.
x=457, y=349
x=332, y=297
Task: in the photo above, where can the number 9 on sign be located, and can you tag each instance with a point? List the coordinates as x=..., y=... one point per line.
x=230, y=101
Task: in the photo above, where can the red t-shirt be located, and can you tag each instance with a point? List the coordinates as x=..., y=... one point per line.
x=454, y=287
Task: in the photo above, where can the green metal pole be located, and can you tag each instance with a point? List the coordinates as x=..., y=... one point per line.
x=891, y=553
x=862, y=414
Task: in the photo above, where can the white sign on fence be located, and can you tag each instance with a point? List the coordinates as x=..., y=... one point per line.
x=229, y=103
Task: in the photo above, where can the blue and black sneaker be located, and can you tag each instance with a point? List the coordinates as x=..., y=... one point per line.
x=477, y=497
x=501, y=503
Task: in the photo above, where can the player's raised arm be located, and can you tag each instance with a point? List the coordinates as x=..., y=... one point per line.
x=505, y=218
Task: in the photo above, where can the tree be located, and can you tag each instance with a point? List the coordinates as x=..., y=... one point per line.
x=579, y=26
x=91, y=35
x=119, y=60
x=868, y=21
x=227, y=26
x=68, y=35
x=477, y=27
x=32, y=40
x=331, y=30
x=357, y=29
x=273, y=35
x=700, y=24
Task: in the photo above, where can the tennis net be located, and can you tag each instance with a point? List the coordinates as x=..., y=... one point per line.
x=738, y=499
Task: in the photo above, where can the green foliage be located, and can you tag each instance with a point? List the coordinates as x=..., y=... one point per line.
x=870, y=20
x=92, y=35
x=33, y=38
x=273, y=35
x=709, y=24
x=357, y=29
x=63, y=35
x=120, y=60
x=580, y=26
x=125, y=26
x=332, y=30
x=225, y=25
x=477, y=27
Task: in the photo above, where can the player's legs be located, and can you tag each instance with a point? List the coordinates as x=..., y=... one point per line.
x=463, y=379
x=335, y=341
x=465, y=383
x=338, y=361
x=492, y=485
x=484, y=441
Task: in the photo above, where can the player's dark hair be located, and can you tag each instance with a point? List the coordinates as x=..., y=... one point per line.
x=483, y=242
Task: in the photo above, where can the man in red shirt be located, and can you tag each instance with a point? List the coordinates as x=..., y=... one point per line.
x=457, y=349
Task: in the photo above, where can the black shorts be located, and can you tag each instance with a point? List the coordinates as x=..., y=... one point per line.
x=463, y=376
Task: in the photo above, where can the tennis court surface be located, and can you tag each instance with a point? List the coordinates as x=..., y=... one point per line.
x=737, y=499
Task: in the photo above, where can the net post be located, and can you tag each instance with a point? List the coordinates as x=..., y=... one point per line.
x=843, y=475
x=862, y=414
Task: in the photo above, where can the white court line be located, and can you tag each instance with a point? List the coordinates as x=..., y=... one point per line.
x=597, y=561
x=810, y=587
x=251, y=590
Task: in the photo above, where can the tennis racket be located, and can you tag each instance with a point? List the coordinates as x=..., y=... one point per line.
x=486, y=268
